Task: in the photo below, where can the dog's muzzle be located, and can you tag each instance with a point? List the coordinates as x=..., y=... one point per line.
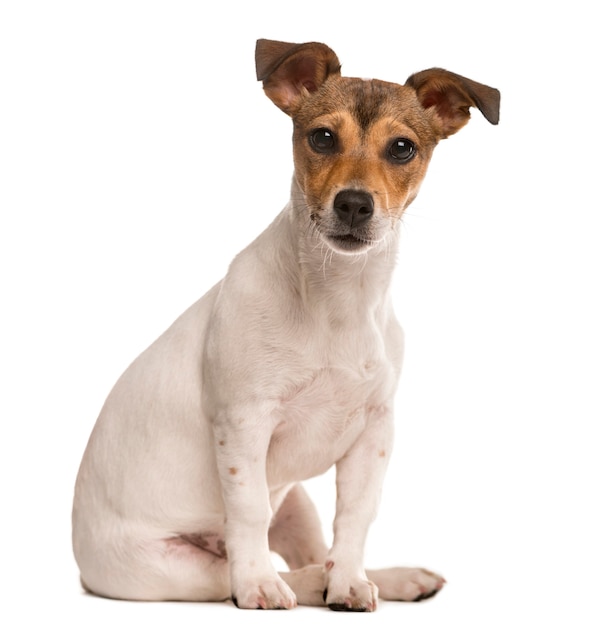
x=352, y=212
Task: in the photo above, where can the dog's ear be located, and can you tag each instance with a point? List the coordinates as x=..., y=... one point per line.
x=290, y=71
x=448, y=98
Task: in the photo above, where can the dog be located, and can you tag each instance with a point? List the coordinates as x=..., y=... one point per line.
x=287, y=367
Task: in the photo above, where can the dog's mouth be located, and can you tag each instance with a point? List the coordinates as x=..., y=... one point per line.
x=349, y=243
x=345, y=240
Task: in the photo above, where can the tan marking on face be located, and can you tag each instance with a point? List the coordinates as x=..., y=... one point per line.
x=394, y=184
x=365, y=117
x=233, y=471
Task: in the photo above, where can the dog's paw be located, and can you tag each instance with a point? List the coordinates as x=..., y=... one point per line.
x=409, y=584
x=269, y=593
x=349, y=594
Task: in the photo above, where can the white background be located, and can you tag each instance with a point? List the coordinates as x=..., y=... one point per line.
x=138, y=154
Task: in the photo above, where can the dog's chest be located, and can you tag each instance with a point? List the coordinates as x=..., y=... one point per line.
x=327, y=404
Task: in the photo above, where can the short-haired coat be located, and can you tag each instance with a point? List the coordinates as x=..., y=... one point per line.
x=285, y=368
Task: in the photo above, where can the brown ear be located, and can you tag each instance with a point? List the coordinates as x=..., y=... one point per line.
x=451, y=97
x=290, y=71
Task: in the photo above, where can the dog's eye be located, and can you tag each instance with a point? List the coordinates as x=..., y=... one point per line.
x=322, y=140
x=402, y=150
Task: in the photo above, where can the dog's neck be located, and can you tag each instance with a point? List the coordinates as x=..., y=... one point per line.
x=333, y=277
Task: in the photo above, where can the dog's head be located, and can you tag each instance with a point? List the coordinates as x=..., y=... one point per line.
x=362, y=147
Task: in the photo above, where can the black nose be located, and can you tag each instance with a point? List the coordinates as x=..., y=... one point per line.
x=353, y=207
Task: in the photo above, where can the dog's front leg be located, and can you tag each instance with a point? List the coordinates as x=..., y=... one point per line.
x=359, y=477
x=242, y=440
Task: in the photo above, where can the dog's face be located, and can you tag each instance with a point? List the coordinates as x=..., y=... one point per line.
x=362, y=147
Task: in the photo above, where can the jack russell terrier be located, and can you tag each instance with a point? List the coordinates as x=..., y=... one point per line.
x=287, y=367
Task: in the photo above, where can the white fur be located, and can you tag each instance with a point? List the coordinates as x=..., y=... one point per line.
x=290, y=362
x=285, y=368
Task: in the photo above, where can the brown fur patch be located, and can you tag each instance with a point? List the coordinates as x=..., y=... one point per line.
x=365, y=117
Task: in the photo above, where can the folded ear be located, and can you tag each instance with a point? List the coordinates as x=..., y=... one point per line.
x=291, y=71
x=448, y=98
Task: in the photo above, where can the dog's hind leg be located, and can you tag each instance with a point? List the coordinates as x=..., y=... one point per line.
x=406, y=584
x=175, y=568
x=308, y=584
x=296, y=533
